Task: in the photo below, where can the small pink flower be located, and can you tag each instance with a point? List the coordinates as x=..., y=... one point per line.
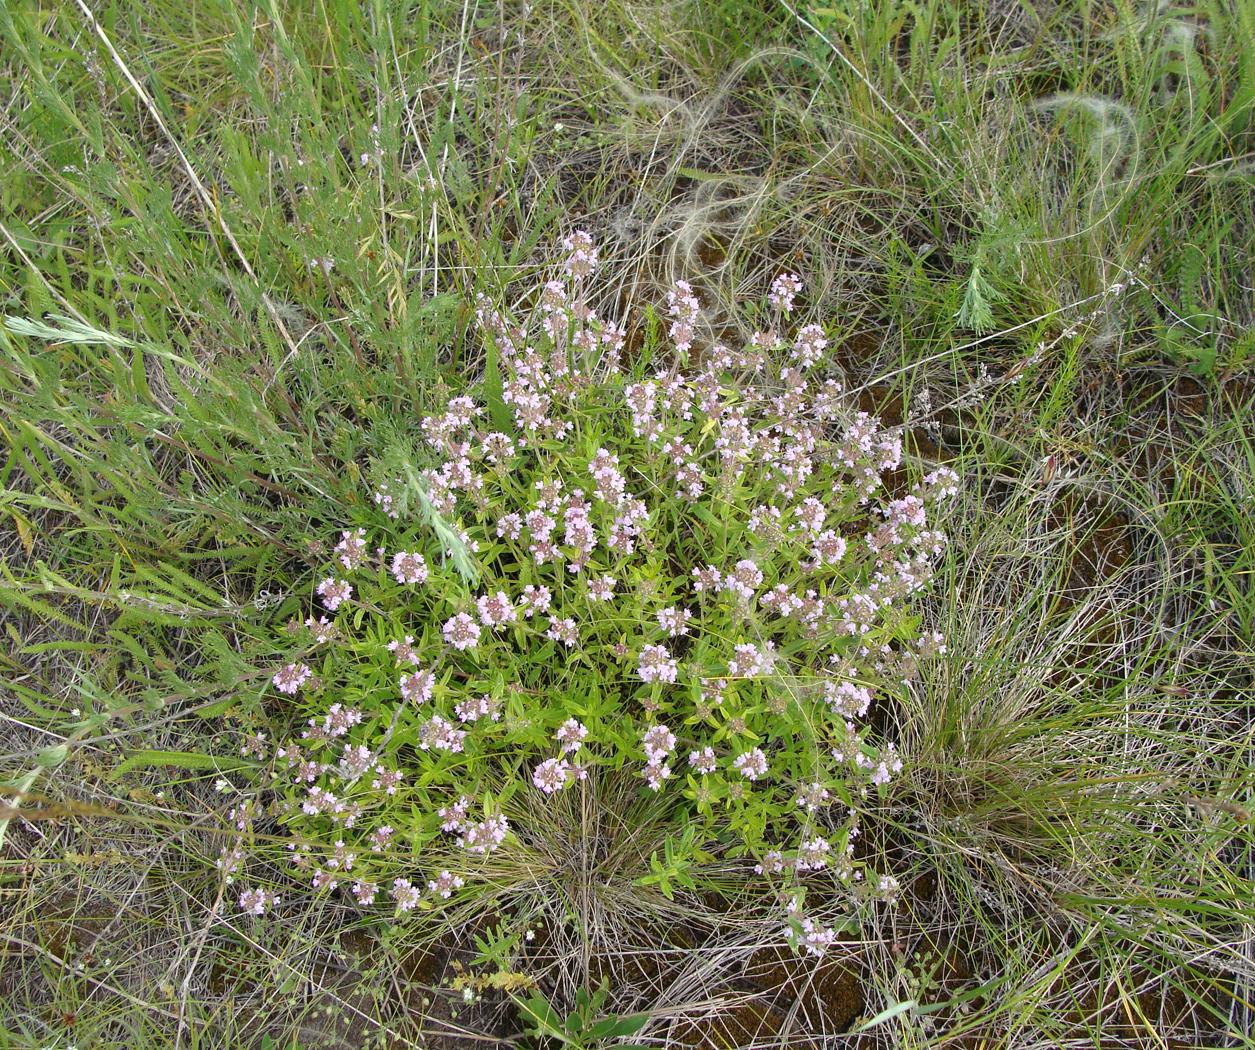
x=783, y=289
x=387, y=780
x=655, y=773
x=571, y=735
x=484, y=836
x=816, y=939
x=813, y=854
x=535, y=600
x=552, y=775
x=356, y=759
x=704, y=760
x=674, y=621
x=601, y=589
x=403, y=649
x=417, y=687
x=351, y=549
x=764, y=520
x=658, y=742
x=811, y=514
x=453, y=816
x=509, y=526
x=750, y=660
x=322, y=629
x=472, y=710
x=582, y=260
x=408, y=567
x=744, y=579
x=334, y=592
x=683, y=306
x=812, y=797
x=405, y=894
x=444, y=884
x=461, y=632
x=495, y=609
x=563, y=631
x=847, y=699
x=441, y=735
x=881, y=771
x=254, y=746
x=656, y=665
x=540, y=524
x=707, y=578
x=941, y=483
x=809, y=346
x=772, y=863
x=497, y=447
x=385, y=500
x=751, y=765
x=256, y=901
x=290, y=678
x=828, y=549
x=931, y=643
x=321, y=880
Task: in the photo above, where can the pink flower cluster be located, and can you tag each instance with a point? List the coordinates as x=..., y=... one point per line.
x=657, y=665
x=290, y=678
x=658, y=743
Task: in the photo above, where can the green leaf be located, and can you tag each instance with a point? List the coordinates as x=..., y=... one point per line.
x=545, y=1019
x=494, y=395
x=22, y=787
x=888, y=1014
x=616, y=1026
x=52, y=756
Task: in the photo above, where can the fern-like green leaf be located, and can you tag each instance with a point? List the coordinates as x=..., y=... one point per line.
x=976, y=313
x=179, y=759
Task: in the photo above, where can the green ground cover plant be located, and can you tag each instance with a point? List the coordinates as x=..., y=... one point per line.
x=264, y=271
x=535, y=608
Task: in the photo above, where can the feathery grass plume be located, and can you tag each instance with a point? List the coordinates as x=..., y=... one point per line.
x=63, y=329
x=452, y=542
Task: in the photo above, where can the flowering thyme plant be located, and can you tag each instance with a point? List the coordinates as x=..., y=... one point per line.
x=702, y=575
